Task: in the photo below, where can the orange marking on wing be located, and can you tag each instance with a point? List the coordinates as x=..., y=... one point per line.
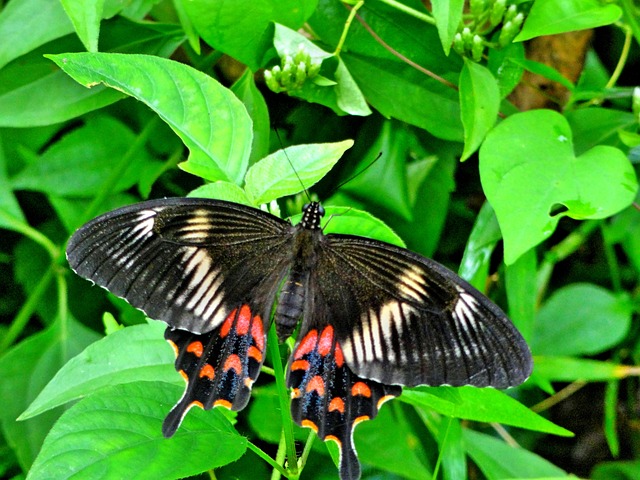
x=244, y=320
x=336, y=404
x=207, y=371
x=228, y=323
x=254, y=353
x=326, y=341
x=257, y=332
x=195, y=403
x=317, y=384
x=248, y=382
x=176, y=350
x=184, y=375
x=310, y=424
x=233, y=363
x=296, y=393
x=361, y=388
x=222, y=403
x=300, y=365
x=361, y=419
x=196, y=348
x=307, y=345
x=385, y=399
x=339, y=356
x=333, y=438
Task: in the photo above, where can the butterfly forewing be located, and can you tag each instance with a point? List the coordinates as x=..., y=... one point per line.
x=187, y=262
x=404, y=319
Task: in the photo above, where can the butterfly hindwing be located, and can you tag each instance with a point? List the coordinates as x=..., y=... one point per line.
x=184, y=261
x=219, y=366
x=328, y=397
x=404, y=319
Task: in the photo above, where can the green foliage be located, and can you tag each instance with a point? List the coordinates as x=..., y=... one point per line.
x=423, y=89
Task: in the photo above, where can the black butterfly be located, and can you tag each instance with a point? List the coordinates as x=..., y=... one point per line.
x=374, y=316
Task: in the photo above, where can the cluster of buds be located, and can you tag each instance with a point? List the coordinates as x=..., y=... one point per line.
x=486, y=15
x=293, y=72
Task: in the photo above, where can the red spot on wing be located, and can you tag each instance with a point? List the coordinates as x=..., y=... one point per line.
x=207, y=371
x=233, y=363
x=339, y=356
x=361, y=388
x=336, y=404
x=254, y=353
x=300, y=365
x=296, y=393
x=326, y=341
x=307, y=345
x=244, y=320
x=196, y=348
x=222, y=403
x=228, y=323
x=317, y=384
x=257, y=332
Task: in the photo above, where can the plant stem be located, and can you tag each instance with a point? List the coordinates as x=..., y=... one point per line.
x=347, y=26
x=410, y=11
x=283, y=397
x=266, y=458
x=624, y=55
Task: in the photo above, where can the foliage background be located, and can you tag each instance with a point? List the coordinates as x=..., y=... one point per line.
x=556, y=245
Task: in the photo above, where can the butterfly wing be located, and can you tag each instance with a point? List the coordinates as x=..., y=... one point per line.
x=188, y=262
x=404, y=319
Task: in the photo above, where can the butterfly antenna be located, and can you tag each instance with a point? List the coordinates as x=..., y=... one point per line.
x=284, y=150
x=357, y=174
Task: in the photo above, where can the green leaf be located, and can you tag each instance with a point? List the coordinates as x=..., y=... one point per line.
x=118, y=432
x=548, y=17
x=482, y=405
x=479, y=104
x=570, y=369
x=274, y=177
x=532, y=178
x=243, y=29
x=134, y=354
x=245, y=89
x=617, y=470
x=523, y=300
x=599, y=126
x=483, y=239
x=569, y=325
x=503, y=64
x=42, y=19
x=217, y=128
x=26, y=369
x=497, y=460
x=85, y=17
x=79, y=162
x=222, y=191
x=10, y=212
x=448, y=14
x=545, y=71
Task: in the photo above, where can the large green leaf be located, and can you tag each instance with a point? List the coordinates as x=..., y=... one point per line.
x=243, y=29
x=567, y=324
x=548, y=17
x=532, y=178
x=480, y=404
x=571, y=369
x=289, y=171
x=448, y=15
x=209, y=119
x=134, y=354
x=26, y=369
x=118, y=432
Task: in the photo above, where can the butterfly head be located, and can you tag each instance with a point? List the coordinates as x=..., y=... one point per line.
x=312, y=213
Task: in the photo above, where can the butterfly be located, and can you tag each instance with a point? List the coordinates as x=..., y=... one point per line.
x=371, y=316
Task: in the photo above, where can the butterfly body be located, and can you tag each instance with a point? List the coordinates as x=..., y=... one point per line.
x=373, y=316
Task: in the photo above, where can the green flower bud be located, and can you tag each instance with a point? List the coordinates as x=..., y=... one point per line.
x=507, y=34
x=467, y=37
x=476, y=7
x=511, y=13
x=635, y=103
x=458, y=44
x=477, y=48
x=497, y=12
x=300, y=75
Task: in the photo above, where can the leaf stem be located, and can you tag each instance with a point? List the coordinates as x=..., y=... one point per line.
x=410, y=11
x=624, y=55
x=630, y=16
x=347, y=26
x=259, y=452
x=283, y=397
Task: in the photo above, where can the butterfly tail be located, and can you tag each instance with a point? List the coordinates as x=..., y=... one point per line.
x=329, y=398
x=219, y=367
